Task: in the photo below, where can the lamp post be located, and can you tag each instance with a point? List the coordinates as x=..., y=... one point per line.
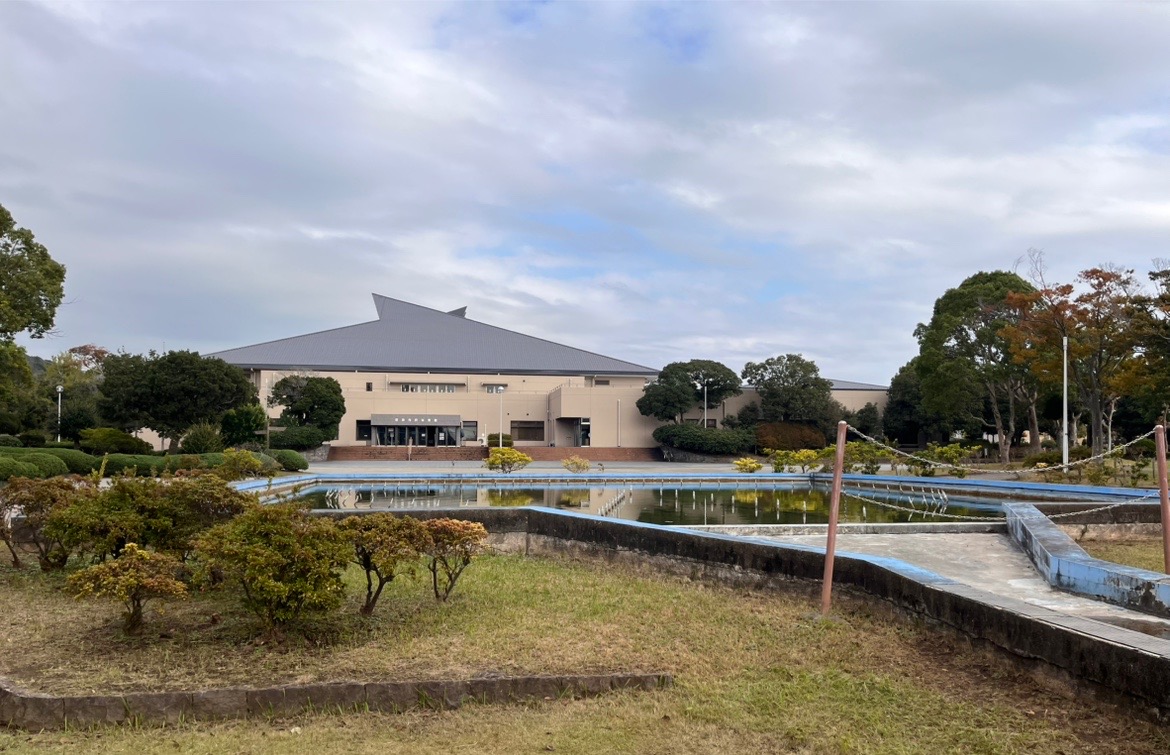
x=704, y=405
x=500, y=437
x=60, y=390
x=1064, y=420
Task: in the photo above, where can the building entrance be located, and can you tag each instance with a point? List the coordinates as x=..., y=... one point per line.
x=415, y=430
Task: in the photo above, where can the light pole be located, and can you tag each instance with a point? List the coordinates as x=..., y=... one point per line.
x=60, y=390
x=1064, y=420
x=500, y=437
x=704, y=405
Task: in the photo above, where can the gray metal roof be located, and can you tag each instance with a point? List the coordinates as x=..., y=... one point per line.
x=410, y=338
x=849, y=385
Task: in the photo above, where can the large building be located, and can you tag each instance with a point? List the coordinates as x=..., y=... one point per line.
x=422, y=377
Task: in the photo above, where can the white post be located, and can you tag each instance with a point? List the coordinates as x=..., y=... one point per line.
x=500, y=439
x=1064, y=420
x=60, y=389
x=619, y=423
x=704, y=405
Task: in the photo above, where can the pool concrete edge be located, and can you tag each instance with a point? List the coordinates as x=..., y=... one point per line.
x=1068, y=567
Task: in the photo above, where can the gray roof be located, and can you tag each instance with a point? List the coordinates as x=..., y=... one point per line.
x=849, y=385
x=410, y=338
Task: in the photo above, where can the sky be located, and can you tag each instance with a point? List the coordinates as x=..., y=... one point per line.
x=655, y=182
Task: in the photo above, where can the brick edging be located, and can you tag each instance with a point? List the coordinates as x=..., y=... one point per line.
x=36, y=712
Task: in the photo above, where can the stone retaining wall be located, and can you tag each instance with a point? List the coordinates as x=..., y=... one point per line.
x=43, y=712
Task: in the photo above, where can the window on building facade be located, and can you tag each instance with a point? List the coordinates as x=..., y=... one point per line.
x=711, y=423
x=428, y=388
x=363, y=429
x=527, y=430
x=494, y=388
x=471, y=431
x=601, y=382
x=369, y=386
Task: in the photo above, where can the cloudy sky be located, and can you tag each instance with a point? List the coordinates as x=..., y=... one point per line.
x=652, y=181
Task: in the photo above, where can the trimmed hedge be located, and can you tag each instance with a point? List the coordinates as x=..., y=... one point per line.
x=48, y=465
x=298, y=438
x=11, y=467
x=493, y=440
x=9, y=441
x=77, y=462
x=101, y=440
x=291, y=461
x=1054, y=458
x=33, y=438
x=145, y=466
x=788, y=436
x=705, y=440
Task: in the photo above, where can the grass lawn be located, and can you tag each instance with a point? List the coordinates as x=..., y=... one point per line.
x=754, y=672
x=1144, y=554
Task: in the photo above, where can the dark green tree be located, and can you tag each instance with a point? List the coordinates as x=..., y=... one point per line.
x=679, y=388
x=965, y=361
x=31, y=282
x=309, y=401
x=868, y=419
x=21, y=406
x=791, y=389
x=720, y=381
x=171, y=392
x=244, y=424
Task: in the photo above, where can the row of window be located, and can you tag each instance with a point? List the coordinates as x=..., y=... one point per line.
x=521, y=430
x=710, y=422
x=438, y=388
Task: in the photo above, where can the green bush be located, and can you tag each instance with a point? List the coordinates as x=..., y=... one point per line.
x=451, y=545
x=133, y=578
x=705, y=440
x=286, y=561
x=211, y=461
x=110, y=440
x=34, y=438
x=1145, y=448
x=10, y=467
x=49, y=465
x=788, y=436
x=493, y=440
x=175, y=462
x=10, y=441
x=38, y=502
x=298, y=438
x=78, y=462
x=164, y=515
x=290, y=461
x=268, y=464
x=60, y=444
x=145, y=466
x=1055, y=458
x=383, y=546
x=202, y=438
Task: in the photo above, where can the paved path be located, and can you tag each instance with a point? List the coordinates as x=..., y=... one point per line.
x=988, y=562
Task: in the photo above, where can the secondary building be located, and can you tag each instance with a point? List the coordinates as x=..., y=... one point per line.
x=417, y=377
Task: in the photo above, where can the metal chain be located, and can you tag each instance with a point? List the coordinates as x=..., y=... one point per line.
x=1106, y=507
x=924, y=512
x=979, y=470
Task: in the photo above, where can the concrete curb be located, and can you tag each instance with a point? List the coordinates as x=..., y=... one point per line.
x=1067, y=567
x=33, y=712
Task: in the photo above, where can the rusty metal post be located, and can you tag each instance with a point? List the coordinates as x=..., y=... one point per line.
x=1164, y=493
x=834, y=507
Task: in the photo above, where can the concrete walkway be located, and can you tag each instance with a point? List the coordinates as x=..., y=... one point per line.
x=989, y=562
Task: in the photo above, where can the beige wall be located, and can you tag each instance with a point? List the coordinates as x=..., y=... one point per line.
x=615, y=419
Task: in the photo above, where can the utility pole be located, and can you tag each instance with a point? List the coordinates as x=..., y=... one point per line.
x=1064, y=421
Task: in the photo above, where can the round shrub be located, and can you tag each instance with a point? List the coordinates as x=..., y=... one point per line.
x=10, y=441
x=33, y=438
x=298, y=438
x=144, y=466
x=789, y=436
x=110, y=440
x=290, y=461
x=49, y=466
x=10, y=467
x=211, y=461
x=202, y=438
x=267, y=463
x=175, y=462
x=705, y=440
x=78, y=462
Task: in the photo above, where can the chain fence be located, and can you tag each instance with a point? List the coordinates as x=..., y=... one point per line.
x=923, y=461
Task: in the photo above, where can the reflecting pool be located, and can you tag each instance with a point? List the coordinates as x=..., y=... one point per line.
x=698, y=505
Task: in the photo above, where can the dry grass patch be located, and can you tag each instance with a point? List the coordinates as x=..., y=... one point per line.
x=755, y=672
x=1142, y=554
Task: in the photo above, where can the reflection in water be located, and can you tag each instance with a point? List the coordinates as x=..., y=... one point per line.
x=657, y=505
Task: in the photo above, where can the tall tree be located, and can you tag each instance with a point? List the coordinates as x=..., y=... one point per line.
x=679, y=388
x=964, y=353
x=171, y=392
x=21, y=405
x=79, y=374
x=1099, y=323
x=791, y=389
x=31, y=282
x=313, y=401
